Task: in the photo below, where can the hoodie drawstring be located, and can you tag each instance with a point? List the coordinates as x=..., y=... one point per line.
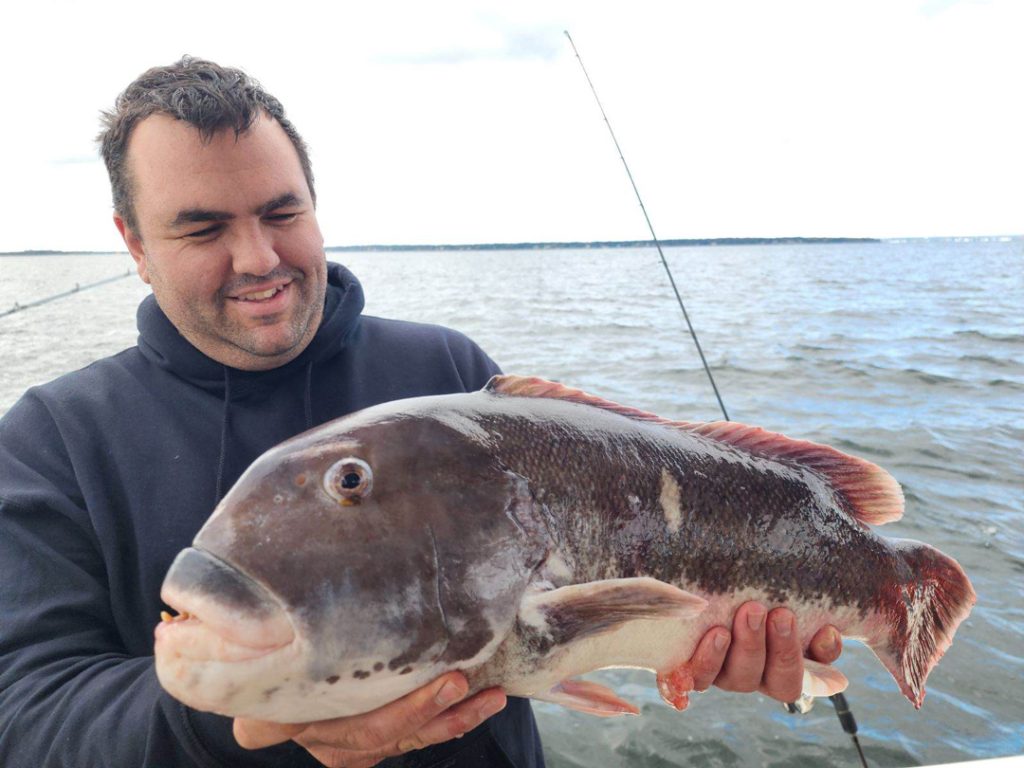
x=225, y=422
x=309, y=395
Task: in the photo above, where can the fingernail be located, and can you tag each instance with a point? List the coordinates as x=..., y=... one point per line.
x=449, y=694
x=721, y=640
x=490, y=707
x=783, y=626
x=755, y=618
x=834, y=638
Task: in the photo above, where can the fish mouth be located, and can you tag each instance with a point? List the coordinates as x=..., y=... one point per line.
x=224, y=615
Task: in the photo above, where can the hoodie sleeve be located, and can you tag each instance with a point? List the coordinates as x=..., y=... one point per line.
x=70, y=693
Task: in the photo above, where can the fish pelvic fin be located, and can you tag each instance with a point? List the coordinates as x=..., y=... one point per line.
x=585, y=696
x=920, y=616
x=872, y=495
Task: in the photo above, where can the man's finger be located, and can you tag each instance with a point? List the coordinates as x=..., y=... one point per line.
x=826, y=645
x=784, y=662
x=460, y=719
x=256, y=734
x=463, y=717
x=744, y=663
x=389, y=724
x=707, y=660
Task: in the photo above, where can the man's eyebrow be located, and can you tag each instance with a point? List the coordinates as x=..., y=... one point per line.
x=205, y=215
x=198, y=216
x=281, y=201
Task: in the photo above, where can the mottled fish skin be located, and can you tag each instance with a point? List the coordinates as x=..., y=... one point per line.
x=688, y=511
x=529, y=532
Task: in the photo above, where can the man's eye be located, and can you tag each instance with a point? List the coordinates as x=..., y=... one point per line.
x=281, y=218
x=201, y=233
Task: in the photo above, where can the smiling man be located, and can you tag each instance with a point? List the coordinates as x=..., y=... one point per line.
x=249, y=338
x=225, y=231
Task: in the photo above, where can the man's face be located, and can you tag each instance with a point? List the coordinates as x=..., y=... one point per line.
x=228, y=239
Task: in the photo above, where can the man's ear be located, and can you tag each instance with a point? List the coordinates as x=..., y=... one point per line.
x=134, y=243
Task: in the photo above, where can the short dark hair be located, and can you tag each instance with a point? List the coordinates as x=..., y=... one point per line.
x=203, y=94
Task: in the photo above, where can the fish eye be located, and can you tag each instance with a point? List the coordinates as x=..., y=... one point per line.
x=348, y=480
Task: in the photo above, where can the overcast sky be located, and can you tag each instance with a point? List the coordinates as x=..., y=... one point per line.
x=461, y=122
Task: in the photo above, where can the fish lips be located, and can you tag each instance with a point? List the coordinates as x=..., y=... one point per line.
x=226, y=602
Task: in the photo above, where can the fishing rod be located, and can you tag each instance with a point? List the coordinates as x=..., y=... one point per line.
x=18, y=307
x=654, y=237
x=802, y=706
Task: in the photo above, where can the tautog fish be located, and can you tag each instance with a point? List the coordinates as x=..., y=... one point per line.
x=526, y=534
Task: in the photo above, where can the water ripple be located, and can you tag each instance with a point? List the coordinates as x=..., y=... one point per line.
x=909, y=354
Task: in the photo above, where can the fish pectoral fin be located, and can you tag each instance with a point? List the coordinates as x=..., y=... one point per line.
x=822, y=680
x=581, y=610
x=584, y=696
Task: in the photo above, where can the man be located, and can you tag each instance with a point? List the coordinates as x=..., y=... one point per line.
x=249, y=338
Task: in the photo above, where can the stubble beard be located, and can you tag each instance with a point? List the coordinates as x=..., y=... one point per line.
x=215, y=326
x=307, y=311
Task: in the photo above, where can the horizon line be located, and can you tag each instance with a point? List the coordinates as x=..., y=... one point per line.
x=571, y=244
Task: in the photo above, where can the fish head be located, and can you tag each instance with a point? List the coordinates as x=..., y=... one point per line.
x=347, y=567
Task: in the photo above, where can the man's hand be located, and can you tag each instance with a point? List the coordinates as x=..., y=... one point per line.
x=429, y=715
x=762, y=653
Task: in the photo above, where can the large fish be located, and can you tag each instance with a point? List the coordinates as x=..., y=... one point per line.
x=526, y=534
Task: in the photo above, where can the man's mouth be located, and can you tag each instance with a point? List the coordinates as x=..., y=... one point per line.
x=261, y=295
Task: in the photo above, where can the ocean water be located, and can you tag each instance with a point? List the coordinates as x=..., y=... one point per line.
x=910, y=354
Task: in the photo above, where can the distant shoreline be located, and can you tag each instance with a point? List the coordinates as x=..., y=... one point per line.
x=710, y=241
x=61, y=253
x=606, y=244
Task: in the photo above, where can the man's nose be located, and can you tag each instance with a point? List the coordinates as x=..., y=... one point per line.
x=253, y=252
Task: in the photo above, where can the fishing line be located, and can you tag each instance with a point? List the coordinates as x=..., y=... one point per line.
x=849, y=724
x=18, y=307
x=842, y=708
x=654, y=237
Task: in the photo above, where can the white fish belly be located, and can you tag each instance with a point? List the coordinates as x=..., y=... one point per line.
x=659, y=644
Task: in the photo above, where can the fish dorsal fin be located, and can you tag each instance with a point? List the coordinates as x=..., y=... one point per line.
x=873, y=494
x=534, y=386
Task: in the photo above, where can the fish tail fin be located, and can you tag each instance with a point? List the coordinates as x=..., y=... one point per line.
x=920, y=616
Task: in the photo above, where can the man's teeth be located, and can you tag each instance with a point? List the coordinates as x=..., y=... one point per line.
x=261, y=295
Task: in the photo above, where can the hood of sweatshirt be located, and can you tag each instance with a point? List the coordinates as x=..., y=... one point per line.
x=163, y=345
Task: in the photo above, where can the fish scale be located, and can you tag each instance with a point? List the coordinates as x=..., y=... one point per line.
x=603, y=529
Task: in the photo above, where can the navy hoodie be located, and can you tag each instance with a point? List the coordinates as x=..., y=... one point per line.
x=108, y=472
